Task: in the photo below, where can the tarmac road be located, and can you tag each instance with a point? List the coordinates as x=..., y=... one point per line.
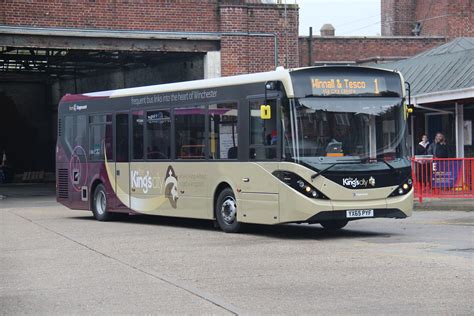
x=56, y=261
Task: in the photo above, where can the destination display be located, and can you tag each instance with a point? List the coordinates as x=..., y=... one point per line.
x=327, y=85
x=336, y=81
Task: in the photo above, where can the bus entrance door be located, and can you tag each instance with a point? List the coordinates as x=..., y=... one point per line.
x=122, y=165
x=259, y=195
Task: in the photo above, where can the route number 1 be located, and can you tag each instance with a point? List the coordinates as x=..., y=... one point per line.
x=376, y=84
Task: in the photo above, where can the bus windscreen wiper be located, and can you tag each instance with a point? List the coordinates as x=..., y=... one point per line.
x=322, y=171
x=314, y=176
x=389, y=165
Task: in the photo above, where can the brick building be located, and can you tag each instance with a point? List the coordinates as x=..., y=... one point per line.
x=246, y=28
x=408, y=27
x=448, y=18
x=50, y=48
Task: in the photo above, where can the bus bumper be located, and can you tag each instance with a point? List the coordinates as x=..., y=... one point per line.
x=341, y=215
x=395, y=207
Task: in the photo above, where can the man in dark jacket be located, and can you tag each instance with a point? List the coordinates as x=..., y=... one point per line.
x=439, y=149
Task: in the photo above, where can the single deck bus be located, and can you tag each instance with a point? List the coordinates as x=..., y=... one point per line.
x=320, y=145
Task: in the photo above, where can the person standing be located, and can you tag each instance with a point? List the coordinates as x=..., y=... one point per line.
x=438, y=148
x=422, y=147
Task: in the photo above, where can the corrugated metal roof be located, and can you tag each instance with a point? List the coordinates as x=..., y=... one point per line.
x=447, y=67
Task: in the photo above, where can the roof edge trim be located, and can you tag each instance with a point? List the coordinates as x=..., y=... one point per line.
x=446, y=95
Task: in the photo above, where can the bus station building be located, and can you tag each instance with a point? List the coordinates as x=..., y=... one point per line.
x=442, y=91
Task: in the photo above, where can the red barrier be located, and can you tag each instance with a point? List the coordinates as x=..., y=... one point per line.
x=443, y=177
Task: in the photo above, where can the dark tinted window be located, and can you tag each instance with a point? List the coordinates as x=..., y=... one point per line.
x=189, y=132
x=122, y=137
x=105, y=118
x=75, y=133
x=69, y=132
x=158, y=134
x=137, y=134
x=96, y=136
x=100, y=138
x=223, y=131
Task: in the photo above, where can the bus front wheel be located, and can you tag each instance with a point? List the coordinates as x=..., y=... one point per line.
x=99, y=204
x=226, y=211
x=334, y=225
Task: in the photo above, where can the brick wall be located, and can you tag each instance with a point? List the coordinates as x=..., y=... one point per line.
x=449, y=18
x=177, y=15
x=243, y=54
x=397, y=17
x=444, y=17
x=343, y=48
x=239, y=54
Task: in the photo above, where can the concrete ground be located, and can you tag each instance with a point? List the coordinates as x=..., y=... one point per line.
x=57, y=261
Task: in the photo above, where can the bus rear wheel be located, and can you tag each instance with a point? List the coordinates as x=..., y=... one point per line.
x=226, y=211
x=99, y=204
x=334, y=225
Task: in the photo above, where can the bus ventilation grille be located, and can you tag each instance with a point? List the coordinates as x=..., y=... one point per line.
x=63, y=189
x=59, y=127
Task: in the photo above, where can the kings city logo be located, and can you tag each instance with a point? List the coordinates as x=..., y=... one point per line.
x=171, y=186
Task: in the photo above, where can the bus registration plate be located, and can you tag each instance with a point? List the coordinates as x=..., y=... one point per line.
x=359, y=213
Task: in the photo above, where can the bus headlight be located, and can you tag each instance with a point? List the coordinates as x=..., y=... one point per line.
x=299, y=184
x=403, y=188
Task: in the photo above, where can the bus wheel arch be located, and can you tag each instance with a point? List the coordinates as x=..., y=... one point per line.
x=99, y=203
x=225, y=208
x=93, y=186
x=221, y=186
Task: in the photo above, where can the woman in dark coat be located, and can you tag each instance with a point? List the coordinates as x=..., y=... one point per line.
x=422, y=147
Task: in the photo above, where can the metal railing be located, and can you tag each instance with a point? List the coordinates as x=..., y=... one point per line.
x=443, y=177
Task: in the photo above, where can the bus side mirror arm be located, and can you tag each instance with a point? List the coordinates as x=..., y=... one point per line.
x=408, y=89
x=270, y=85
x=410, y=107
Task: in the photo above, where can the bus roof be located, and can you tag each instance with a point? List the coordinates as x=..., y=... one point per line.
x=280, y=74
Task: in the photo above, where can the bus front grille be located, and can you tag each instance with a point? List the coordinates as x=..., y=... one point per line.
x=63, y=188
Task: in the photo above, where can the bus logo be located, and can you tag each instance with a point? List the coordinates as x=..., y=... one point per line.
x=171, y=186
x=76, y=107
x=142, y=182
x=356, y=182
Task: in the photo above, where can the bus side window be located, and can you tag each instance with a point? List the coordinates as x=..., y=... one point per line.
x=75, y=134
x=100, y=137
x=121, y=127
x=69, y=132
x=263, y=132
x=190, y=132
x=223, y=131
x=158, y=126
x=137, y=134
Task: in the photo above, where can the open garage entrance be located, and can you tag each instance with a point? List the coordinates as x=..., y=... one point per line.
x=36, y=70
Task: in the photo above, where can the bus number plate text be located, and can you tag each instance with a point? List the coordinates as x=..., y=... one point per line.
x=359, y=213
